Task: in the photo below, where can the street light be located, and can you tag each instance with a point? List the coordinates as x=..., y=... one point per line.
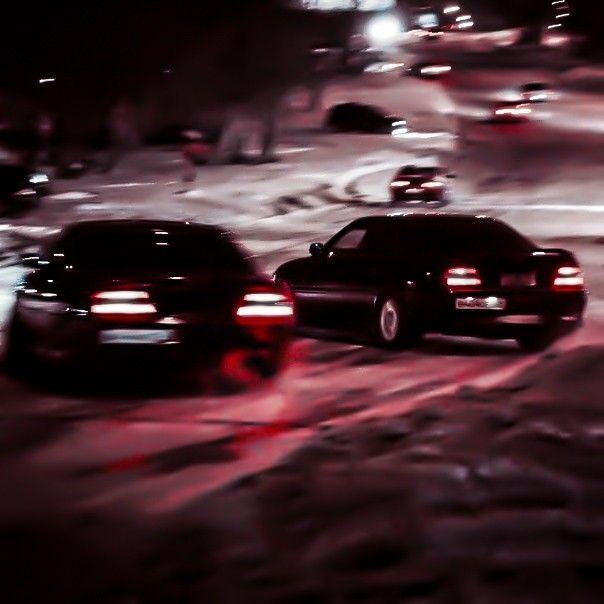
x=383, y=30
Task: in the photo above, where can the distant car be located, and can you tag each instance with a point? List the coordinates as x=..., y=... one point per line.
x=429, y=71
x=21, y=188
x=425, y=184
x=536, y=92
x=366, y=119
x=511, y=112
x=109, y=288
x=395, y=278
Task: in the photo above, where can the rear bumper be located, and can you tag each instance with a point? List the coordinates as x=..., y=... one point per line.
x=81, y=338
x=398, y=195
x=524, y=312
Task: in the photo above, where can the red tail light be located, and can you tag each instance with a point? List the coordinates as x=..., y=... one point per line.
x=122, y=305
x=266, y=305
x=462, y=278
x=569, y=278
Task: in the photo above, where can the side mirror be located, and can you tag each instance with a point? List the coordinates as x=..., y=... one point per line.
x=30, y=259
x=316, y=250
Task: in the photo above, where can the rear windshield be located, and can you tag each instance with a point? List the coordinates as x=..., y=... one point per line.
x=159, y=248
x=420, y=172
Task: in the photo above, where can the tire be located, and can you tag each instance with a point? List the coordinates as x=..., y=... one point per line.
x=392, y=324
x=537, y=341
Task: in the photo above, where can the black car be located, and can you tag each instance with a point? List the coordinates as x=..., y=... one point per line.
x=19, y=187
x=105, y=288
x=397, y=277
x=426, y=184
x=365, y=119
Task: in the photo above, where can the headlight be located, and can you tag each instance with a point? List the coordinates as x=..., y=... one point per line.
x=38, y=179
x=24, y=193
x=401, y=183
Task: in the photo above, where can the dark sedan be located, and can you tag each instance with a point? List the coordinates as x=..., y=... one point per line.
x=397, y=277
x=20, y=188
x=364, y=119
x=108, y=288
x=427, y=184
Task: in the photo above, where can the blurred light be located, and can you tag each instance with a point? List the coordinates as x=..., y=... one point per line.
x=399, y=132
x=562, y=15
x=401, y=183
x=46, y=80
x=38, y=178
x=383, y=67
x=466, y=24
x=24, y=193
x=122, y=295
x=451, y=9
x=383, y=30
x=463, y=18
x=554, y=26
x=435, y=69
x=433, y=184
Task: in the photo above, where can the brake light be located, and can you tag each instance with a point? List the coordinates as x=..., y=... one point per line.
x=122, y=305
x=569, y=278
x=461, y=277
x=266, y=305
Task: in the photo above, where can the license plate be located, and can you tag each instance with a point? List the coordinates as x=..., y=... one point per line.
x=519, y=280
x=138, y=336
x=489, y=303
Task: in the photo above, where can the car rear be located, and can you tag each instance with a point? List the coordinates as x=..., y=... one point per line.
x=422, y=184
x=119, y=288
x=495, y=283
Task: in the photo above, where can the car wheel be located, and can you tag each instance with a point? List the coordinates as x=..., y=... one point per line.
x=393, y=324
x=537, y=341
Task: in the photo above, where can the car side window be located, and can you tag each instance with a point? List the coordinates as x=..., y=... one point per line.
x=349, y=241
x=381, y=240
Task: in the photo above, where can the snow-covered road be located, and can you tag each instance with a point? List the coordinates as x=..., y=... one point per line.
x=157, y=447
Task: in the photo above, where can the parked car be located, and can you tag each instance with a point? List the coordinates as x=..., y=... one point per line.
x=20, y=188
x=423, y=184
x=116, y=288
x=395, y=278
x=367, y=119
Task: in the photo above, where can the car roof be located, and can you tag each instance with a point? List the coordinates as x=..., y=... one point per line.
x=423, y=218
x=143, y=225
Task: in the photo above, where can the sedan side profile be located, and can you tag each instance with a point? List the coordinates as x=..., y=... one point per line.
x=364, y=119
x=395, y=278
x=108, y=288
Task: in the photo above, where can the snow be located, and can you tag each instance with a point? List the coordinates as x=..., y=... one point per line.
x=461, y=469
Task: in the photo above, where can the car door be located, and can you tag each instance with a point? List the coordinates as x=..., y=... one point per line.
x=357, y=274
x=327, y=292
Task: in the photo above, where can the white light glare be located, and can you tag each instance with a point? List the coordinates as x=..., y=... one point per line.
x=463, y=18
x=451, y=9
x=37, y=179
x=383, y=30
x=466, y=24
x=46, y=80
